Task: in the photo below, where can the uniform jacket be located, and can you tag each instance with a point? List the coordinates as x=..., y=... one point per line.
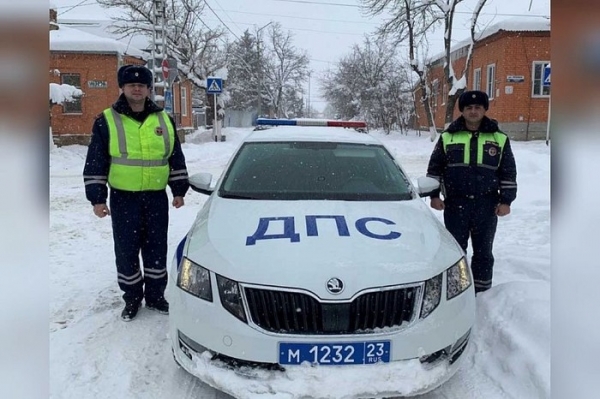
x=97, y=164
x=488, y=169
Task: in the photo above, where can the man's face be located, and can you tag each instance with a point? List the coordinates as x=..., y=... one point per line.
x=473, y=114
x=136, y=92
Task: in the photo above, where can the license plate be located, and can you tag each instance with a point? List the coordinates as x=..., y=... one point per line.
x=343, y=353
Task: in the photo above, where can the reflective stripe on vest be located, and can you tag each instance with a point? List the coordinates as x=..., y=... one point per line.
x=464, y=138
x=139, y=151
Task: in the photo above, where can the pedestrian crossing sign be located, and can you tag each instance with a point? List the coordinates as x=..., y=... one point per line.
x=214, y=85
x=547, y=75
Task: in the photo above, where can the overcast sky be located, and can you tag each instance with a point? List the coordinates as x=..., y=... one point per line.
x=326, y=29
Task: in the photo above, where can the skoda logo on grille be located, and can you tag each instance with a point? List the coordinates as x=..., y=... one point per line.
x=335, y=285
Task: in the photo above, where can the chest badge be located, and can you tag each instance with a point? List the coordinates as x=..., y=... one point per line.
x=492, y=151
x=158, y=131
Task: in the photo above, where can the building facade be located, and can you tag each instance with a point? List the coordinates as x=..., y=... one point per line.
x=508, y=63
x=90, y=63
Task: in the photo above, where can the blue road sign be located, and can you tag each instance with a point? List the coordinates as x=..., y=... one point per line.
x=214, y=85
x=547, y=75
x=169, y=101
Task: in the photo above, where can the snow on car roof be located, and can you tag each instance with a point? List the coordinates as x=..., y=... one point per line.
x=311, y=133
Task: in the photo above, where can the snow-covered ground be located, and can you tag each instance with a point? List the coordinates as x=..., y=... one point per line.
x=93, y=354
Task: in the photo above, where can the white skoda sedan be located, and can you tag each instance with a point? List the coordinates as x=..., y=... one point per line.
x=315, y=252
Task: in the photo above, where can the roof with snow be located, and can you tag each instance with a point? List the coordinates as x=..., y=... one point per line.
x=75, y=40
x=104, y=28
x=510, y=25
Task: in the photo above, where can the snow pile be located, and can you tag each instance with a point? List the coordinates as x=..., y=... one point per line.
x=60, y=93
x=93, y=354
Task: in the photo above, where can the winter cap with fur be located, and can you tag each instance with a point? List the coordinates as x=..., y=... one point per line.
x=134, y=74
x=473, y=97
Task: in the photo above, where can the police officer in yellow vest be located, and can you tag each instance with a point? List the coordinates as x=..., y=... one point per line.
x=135, y=149
x=474, y=163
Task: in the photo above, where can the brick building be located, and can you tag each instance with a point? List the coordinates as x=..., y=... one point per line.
x=507, y=63
x=90, y=62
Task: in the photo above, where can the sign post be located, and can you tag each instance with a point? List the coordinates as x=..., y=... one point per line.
x=168, y=101
x=165, y=69
x=546, y=83
x=214, y=86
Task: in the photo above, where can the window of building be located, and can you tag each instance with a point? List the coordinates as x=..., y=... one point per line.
x=477, y=79
x=184, y=101
x=491, y=81
x=435, y=93
x=73, y=79
x=539, y=90
x=444, y=93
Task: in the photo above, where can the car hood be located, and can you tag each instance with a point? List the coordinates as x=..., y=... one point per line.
x=367, y=244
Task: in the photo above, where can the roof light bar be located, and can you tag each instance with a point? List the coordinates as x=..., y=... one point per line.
x=310, y=122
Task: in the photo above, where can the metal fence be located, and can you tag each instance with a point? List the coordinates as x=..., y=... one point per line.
x=234, y=118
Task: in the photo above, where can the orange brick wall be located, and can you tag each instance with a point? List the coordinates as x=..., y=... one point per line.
x=76, y=128
x=514, y=54
x=90, y=67
x=186, y=121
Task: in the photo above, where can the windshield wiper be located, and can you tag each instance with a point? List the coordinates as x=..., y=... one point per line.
x=236, y=196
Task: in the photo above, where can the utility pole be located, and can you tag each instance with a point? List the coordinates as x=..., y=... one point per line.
x=259, y=66
x=308, y=107
x=159, y=46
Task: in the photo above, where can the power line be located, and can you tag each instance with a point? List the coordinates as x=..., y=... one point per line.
x=319, y=3
x=332, y=32
x=304, y=18
x=305, y=30
x=323, y=3
x=231, y=19
x=80, y=4
x=219, y=18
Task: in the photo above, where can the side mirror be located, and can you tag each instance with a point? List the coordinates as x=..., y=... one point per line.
x=200, y=182
x=427, y=185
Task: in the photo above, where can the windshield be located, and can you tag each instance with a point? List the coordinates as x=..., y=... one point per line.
x=314, y=170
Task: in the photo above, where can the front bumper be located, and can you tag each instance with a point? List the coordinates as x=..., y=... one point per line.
x=211, y=344
x=404, y=378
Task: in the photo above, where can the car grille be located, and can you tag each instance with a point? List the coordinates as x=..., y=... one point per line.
x=298, y=313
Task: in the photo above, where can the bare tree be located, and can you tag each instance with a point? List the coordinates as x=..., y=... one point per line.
x=369, y=83
x=410, y=21
x=457, y=86
x=286, y=68
x=188, y=39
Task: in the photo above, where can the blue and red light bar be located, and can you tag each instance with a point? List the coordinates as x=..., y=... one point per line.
x=310, y=122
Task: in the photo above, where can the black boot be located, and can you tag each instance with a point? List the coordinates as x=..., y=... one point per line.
x=130, y=311
x=159, y=305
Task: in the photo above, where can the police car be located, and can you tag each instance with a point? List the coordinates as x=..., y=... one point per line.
x=315, y=249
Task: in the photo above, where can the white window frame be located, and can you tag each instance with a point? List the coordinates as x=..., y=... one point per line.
x=183, y=101
x=435, y=92
x=477, y=79
x=537, y=82
x=74, y=107
x=444, y=93
x=491, y=81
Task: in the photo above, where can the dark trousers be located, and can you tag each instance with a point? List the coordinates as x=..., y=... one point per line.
x=476, y=218
x=140, y=221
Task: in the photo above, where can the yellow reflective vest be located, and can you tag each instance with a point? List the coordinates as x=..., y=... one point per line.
x=139, y=151
x=489, y=151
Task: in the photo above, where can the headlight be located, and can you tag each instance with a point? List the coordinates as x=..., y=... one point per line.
x=458, y=278
x=194, y=279
x=432, y=296
x=231, y=298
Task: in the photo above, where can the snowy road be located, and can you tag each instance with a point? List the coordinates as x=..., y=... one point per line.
x=93, y=354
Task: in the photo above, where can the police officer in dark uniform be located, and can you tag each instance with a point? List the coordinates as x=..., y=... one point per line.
x=135, y=149
x=475, y=165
